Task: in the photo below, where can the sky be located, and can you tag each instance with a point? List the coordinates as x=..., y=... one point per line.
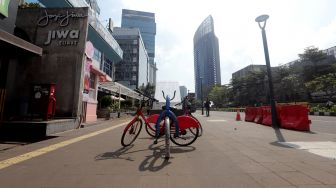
x=292, y=26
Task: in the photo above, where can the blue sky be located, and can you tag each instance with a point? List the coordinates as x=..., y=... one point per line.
x=293, y=25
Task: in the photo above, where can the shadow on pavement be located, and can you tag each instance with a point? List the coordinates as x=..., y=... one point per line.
x=157, y=161
x=118, y=154
x=279, y=135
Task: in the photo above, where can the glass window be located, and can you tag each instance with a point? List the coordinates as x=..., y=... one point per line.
x=97, y=55
x=134, y=59
x=108, y=67
x=92, y=91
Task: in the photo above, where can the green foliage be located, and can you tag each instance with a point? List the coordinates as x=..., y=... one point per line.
x=30, y=5
x=148, y=89
x=250, y=89
x=325, y=83
x=219, y=95
x=106, y=101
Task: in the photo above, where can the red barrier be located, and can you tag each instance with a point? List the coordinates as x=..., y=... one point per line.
x=267, y=116
x=250, y=113
x=294, y=117
x=259, y=115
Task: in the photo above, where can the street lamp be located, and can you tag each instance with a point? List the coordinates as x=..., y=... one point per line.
x=262, y=24
x=201, y=78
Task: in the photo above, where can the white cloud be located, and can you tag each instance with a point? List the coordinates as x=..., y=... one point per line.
x=293, y=25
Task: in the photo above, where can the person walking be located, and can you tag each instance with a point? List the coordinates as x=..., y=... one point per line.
x=207, y=107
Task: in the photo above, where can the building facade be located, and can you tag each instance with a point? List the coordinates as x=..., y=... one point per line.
x=145, y=21
x=82, y=40
x=133, y=69
x=247, y=70
x=184, y=91
x=12, y=43
x=206, y=58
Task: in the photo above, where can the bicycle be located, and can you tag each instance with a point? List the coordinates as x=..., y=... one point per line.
x=187, y=112
x=133, y=128
x=176, y=130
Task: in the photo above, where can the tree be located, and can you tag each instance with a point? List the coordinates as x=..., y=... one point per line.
x=310, y=62
x=30, y=5
x=325, y=84
x=291, y=86
x=149, y=89
x=218, y=95
x=251, y=89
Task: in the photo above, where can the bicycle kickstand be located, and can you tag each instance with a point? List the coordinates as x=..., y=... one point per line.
x=155, y=141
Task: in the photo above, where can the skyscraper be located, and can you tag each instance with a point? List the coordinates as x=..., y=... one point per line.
x=206, y=58
x=132, y=71
x=145, y=21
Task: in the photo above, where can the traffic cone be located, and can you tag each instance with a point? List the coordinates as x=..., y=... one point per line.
x=238, y=116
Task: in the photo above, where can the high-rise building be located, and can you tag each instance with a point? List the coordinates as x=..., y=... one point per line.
x=206, y=58
x=133, y=69
x=145, y=21
x=183, y=91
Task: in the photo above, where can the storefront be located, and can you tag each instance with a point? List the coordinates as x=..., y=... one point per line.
x=10, y=46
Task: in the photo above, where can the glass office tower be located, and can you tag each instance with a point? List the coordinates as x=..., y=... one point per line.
x=206, y=58
x=145, y=21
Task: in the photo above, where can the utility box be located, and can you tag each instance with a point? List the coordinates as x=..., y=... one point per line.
x=42, y=101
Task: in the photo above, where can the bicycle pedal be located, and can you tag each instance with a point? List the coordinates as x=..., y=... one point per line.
x=155, y=141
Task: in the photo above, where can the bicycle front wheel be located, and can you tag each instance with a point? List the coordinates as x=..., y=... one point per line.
x=150, y=129
x=131, y=132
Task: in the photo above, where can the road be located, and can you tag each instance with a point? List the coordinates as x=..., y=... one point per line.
x=229, y=154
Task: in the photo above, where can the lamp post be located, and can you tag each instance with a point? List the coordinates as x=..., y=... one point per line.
x=262, y=24
x=201, y=78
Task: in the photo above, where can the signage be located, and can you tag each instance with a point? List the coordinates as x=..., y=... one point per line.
x=62, y=36
x=62, y=19
x=4, y=7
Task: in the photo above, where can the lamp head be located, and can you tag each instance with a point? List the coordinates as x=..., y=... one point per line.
x=262, y=18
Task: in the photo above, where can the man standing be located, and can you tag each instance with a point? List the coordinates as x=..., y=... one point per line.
x=207, y=107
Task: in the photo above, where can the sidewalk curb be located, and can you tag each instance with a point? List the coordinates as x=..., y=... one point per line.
x=322, y=113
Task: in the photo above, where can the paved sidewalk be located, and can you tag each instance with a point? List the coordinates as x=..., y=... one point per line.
x=229, y=154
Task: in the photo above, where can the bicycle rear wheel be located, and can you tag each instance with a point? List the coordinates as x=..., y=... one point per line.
x=131, y=133
x=200, y=128
x=186, y=136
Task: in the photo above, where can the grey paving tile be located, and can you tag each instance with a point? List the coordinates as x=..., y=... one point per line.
x=298, y=178
x=269, y=180
x=278, y=167
x=253, y=167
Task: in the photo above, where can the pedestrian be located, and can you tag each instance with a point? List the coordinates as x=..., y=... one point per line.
x=186, y=105
x=207, y=107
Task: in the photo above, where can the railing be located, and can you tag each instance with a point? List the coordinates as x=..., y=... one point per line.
x=98, y=26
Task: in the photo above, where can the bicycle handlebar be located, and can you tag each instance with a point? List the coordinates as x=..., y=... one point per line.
x=165, y=96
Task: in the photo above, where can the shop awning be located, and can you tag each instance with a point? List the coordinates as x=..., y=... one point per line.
x=115, y=87
x=18, y=42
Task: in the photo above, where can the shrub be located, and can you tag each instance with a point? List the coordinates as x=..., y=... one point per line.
x=106, y=101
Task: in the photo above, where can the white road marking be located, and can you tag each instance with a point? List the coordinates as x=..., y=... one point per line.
x=324, y=149
x=47, y=149
x=217, y=120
